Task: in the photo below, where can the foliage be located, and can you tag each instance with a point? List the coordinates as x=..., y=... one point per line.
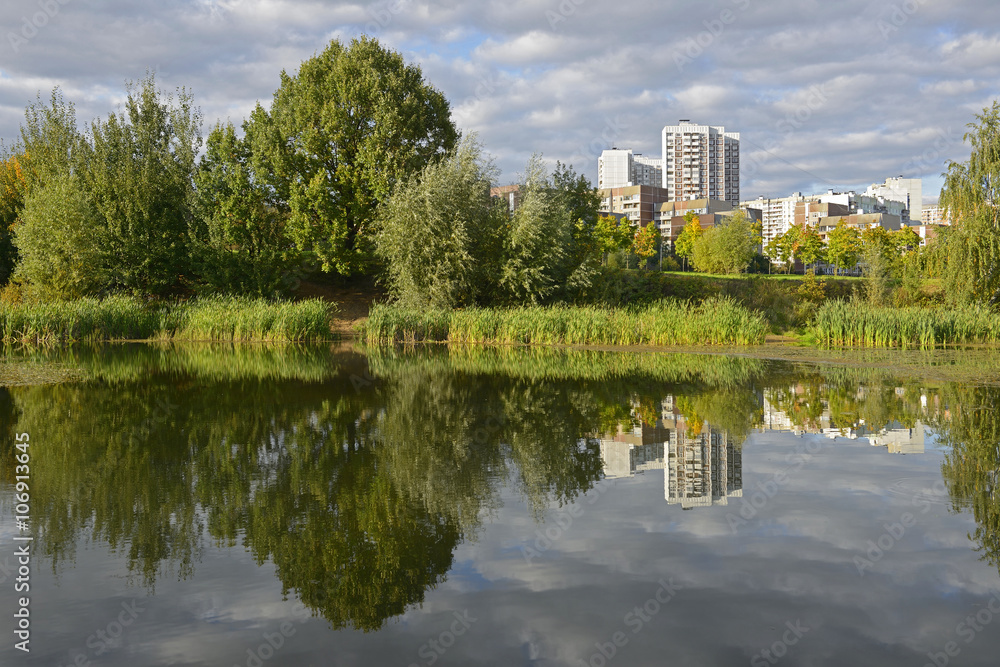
x=535, y=256
x=61, y=242
x=340, y=134
x=971, y=197
x=139, y=180
x=612, y=234
x=12, y=192
x=810, y=248
x=843, y=246
x=584, y=253
x=646, y=242
x=684, y=246
x=440, y=233
x=237, y=235
x=727, y=248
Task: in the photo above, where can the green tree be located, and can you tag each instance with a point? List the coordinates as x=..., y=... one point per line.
x=440, y=233
x=646, y=242
x=728, y=247
x=140, y=182
x=12, y=191
x=535, y=247
x=971, y=196
x=238, y=241
x=843, y=246
x=581, y=201
x=612, y=234
x=62, y=242
x=340, y=134
x=906, y=240
x=684, y=246
x=811, y=249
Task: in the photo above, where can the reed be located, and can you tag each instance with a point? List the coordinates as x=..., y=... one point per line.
x=859, y=324
x=118, y=318
x=717, y=321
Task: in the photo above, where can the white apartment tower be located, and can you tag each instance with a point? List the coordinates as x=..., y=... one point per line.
x=618, y=168
x=701, y=162
x=907, y=191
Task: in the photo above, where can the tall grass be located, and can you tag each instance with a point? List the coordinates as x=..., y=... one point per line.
x=719, y=321
x=119, y=318
x=857, y=323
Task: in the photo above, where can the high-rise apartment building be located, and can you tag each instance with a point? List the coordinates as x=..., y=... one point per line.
x=701, y=162
x=907, y=191
x=621, y=168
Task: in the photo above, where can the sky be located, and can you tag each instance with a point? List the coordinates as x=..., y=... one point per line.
x=825, y=94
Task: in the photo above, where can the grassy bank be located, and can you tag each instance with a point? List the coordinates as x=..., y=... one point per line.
x=851, y=323
x=718, y=321
x=126, y=318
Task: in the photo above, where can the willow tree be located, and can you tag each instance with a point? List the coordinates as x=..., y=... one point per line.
x=439, y=234
x=971, y=196
x=340, y=134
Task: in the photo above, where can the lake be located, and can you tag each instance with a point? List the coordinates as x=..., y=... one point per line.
x=264, y=506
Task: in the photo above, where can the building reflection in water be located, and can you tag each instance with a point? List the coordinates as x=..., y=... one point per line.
x=702, y=466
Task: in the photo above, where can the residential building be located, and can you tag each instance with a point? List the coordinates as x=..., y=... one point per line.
x=619, y=168
x=907, y=191
x=701, y=162
x=811, y=212
x=777, y=215
x=510, y=194
x=669, y=216
x=702, y=469
x=860, y=221
x=935, y=215
x=638, y=202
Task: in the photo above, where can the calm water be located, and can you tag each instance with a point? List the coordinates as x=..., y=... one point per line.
x=220, y=506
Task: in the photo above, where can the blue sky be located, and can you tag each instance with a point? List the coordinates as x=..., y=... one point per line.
x=826, y=95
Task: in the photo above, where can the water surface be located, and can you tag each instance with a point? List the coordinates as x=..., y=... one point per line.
x=302, y=506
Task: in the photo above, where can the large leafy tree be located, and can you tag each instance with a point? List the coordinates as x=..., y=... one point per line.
x=843, y=246
x=581, y=201
x=646, y=242
x=612, y=234
x=535, y=247
x=62, y=242
x=340, y=134
x=440, y=233
x=728, y=247
x=684, y=246
x=140, y=182
x=238, y=240
x=971, y=196
x=811, y=249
